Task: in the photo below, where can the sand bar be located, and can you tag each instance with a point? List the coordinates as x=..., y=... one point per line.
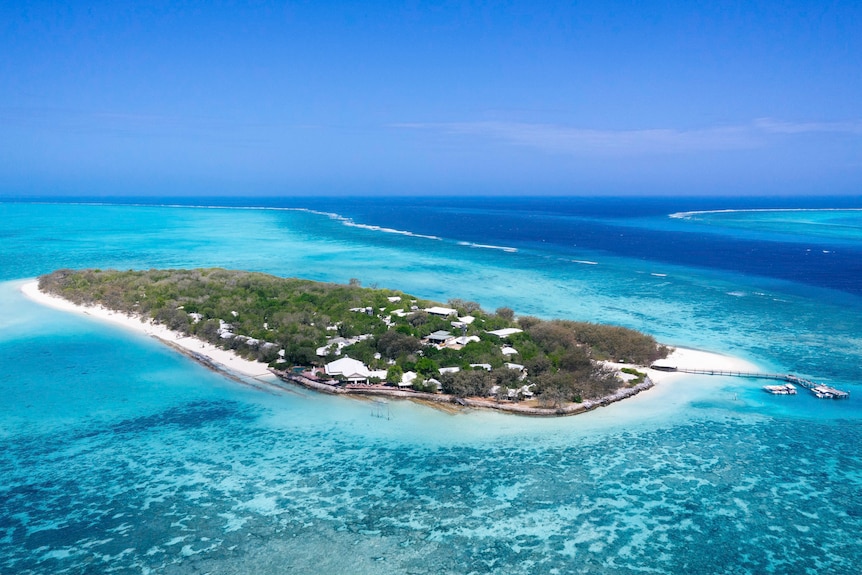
x=222, y=360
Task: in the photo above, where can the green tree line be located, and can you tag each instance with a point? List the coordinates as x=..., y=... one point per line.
x=257, y=315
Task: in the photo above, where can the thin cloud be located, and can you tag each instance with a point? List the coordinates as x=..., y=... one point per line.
x=779, y=127
x=578, y=141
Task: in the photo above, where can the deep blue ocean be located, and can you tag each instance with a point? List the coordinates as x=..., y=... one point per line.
x=118, y=455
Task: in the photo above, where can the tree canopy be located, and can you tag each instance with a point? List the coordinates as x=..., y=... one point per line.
x=259, y=315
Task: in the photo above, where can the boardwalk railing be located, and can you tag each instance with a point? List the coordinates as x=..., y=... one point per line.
x=817, y=389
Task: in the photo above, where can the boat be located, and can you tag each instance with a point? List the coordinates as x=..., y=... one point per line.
x=783, y=389
x=826, y=392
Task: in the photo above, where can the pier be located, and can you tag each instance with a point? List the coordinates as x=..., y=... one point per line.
x=819, y=390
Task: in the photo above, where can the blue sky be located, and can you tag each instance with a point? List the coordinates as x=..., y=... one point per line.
x=299, y=98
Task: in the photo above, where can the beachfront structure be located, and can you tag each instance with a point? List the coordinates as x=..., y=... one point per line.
x=378, y=374
x=508, y=350
x=512, y=394
x=408, y=378
x=225, y=330
x=353, y=370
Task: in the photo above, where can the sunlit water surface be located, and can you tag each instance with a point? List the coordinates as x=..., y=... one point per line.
x=121, y=456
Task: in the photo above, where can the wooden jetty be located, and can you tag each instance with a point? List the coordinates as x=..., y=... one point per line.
x=818, y=389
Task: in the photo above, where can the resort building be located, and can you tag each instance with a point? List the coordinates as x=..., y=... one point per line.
x=439, y=338
x=336, y=344
x=408, y=378
x=353, y=370
x=441, y=311
x=464, y=340
x=505, y=332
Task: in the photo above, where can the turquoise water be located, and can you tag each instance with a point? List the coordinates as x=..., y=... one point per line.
x=119, y=455
x=844, y=226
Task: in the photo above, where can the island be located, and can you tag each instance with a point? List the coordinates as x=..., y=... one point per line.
x=349, y=339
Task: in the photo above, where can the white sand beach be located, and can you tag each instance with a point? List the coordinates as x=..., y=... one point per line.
x=685, y=358
x=224, y=360
x=674, y=387
x=228, y=362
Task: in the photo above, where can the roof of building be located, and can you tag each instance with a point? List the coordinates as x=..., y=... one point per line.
x=407, y=378
x=347, y=367
x=439, y=335
x=437, y=310
x=505, y=332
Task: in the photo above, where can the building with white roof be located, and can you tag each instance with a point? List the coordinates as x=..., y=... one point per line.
x=350, y=369
x=439, y=337
x=444, y=311
x=407, y=379
x=505, y=332
x=465, y=339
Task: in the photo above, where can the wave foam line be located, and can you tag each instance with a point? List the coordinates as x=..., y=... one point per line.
x=686, y=215
x=488, y=247
x=352, y=224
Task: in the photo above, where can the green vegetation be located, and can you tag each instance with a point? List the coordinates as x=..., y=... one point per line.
x=258, y=316
x=639, y=375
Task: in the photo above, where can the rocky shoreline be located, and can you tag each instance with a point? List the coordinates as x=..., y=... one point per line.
x=466, y=403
